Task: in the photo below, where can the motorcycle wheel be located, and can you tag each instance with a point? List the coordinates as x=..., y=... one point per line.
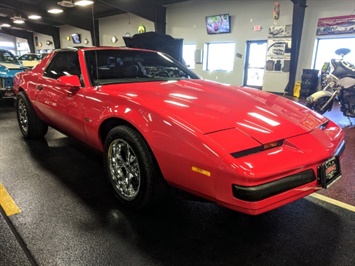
x=317, y=105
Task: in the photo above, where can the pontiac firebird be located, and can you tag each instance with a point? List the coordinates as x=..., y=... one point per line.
x=158, y=125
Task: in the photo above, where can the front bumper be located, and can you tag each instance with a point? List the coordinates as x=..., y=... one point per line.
x=267, y=190
x=7, y=92
x=279, y=181
x=6, y=88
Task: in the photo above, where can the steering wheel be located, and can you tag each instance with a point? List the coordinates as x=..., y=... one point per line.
x=161, y=73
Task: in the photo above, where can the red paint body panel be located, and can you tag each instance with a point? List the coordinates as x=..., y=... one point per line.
x=195, y=123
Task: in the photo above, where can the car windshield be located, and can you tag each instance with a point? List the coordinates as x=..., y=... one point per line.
x=43, y=55
x=29, y=57
x=7, y=57
x=118, y=66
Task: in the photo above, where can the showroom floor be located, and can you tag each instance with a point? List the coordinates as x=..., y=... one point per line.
x=68, y=216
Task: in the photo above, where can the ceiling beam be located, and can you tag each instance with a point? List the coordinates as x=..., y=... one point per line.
x=146, y=10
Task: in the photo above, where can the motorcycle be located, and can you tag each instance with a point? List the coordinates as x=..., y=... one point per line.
x=340, y=87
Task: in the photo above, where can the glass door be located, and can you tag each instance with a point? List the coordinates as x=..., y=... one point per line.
x=255, y=64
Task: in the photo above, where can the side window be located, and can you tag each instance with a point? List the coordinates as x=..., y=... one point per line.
x=63, y=64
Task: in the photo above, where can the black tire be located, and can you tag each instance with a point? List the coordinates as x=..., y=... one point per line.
x=316, y=106
x=30, y=124
x=132, y=170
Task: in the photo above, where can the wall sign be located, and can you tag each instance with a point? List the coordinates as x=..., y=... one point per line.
x=141, y=29
x=276, y=13
x=278, y=58
x=336, y=25
x=279, y=48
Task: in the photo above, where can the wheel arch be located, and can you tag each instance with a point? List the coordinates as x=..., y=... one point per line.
x=109, y=124
x=21, y=89
x=113, y=122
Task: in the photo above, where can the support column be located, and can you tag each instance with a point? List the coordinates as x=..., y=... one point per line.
x=299, y=7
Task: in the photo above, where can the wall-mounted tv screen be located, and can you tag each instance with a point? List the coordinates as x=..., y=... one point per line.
x=218, y=24
x=76, y=38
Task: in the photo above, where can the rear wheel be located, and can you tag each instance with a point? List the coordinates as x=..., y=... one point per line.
x=30, y=124
x=131, y=169
x=317, y=105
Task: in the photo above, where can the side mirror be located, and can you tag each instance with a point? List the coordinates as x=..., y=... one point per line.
x=69, y=81
x=72, y=82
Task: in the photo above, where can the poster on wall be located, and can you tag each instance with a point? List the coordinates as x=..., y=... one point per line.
x=278, y=58
x=279, y=49
x=280, y=31
x=336, y=25
x=278, y=55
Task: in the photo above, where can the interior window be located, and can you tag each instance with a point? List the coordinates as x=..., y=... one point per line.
x=189, y=55
x=219, y=56
x=325, y=50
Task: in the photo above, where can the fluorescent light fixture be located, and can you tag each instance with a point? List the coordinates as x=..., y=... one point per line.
x=5, y=25
x=66, y=3
x=34, y=17
x=18, y=20
x=55, y=11
x=83, y=3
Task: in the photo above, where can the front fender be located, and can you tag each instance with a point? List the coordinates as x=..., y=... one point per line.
x=318, y=95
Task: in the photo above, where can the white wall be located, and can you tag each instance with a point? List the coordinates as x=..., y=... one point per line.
x=119, y=26
x=40, y=45
x=67, y=31
x=187, y=21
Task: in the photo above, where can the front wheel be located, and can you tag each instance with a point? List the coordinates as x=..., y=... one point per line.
x=30, y=124
x=131, y=169
x=318, y=104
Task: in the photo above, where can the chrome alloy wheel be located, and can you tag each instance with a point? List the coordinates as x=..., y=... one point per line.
x=23, y=115
x=124, y=169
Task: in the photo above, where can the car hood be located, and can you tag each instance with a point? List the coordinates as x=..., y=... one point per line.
x=211, y=107
x=158, y=42
x=29, y=63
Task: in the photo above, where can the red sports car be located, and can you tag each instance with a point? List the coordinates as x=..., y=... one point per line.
x=158, y=124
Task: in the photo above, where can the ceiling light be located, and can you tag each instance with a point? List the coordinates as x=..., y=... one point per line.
x=5, y=25
x=66, y=3
x=34, y=17
x=18, y=20
x=83, y=3
x=55, y=11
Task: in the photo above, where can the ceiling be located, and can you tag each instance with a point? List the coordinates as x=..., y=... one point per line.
x=80, y=17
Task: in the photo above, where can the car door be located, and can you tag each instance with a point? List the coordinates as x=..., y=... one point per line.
x=62, y=105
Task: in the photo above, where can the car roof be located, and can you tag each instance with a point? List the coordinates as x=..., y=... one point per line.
x=98, y=48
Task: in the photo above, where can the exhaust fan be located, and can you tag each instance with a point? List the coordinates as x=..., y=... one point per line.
x=66, y=3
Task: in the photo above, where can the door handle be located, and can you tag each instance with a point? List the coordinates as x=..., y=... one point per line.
x=39, y=87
